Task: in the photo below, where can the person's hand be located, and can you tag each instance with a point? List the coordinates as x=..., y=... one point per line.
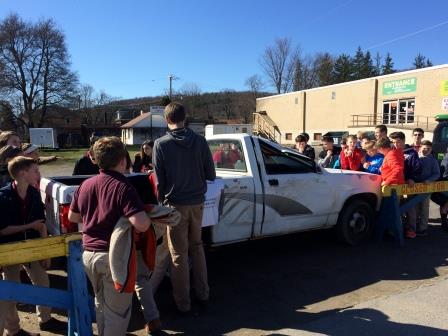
x=366, y=165
x=46, y=263
x=38, y=225
x=348, y=152
x=329, y=152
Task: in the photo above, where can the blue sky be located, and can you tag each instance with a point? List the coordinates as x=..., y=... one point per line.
x=128, y=48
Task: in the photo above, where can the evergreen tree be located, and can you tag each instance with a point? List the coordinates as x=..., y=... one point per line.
x=367, y=69
x=428, y=63
x=388, y=66
x=419, y=61
x=298, y=75
x=377, y=67
x=324, y=63
x=342, y=69
x=358, y=64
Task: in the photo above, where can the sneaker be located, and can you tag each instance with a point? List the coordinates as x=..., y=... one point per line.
x=409, y=234
x=422, y=233
x=53, y=325
x=23, y=332
x=153, y=327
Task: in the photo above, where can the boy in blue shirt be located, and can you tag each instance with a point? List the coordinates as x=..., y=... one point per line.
x=374, y=160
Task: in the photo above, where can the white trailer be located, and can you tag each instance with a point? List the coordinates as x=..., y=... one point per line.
x=228, y=129
x=43, y=137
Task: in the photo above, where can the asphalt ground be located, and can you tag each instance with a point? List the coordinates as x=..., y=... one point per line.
x=283, y=283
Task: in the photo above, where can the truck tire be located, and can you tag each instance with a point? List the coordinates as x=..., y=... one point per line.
x=355, y=222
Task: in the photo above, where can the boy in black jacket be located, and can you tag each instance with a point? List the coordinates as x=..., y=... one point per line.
x=23, y=217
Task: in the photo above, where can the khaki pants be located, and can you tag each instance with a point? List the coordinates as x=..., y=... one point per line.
x=144, y=291
x=39, y=277
x=163, y=261
x=422, y=212
x=185, y=240
x=113, y=309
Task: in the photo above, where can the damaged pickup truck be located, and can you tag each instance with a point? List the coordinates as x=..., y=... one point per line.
x=268, y=190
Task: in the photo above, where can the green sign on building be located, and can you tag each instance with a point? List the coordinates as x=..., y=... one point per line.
x=400, y=86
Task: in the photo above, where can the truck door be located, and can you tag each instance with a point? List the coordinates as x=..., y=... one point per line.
x=238, y=209
x=296, y=196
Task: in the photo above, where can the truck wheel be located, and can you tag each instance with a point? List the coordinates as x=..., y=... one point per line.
x=355, y=222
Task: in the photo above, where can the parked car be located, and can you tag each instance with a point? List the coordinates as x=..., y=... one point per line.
x=269, y=190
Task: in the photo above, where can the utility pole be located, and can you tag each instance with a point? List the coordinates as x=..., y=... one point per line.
x=170, y=77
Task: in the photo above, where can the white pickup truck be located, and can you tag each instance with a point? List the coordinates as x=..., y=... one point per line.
x=268, y=190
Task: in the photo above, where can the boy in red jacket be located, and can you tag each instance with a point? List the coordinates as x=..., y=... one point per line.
x=351, y=157
x=392, y=170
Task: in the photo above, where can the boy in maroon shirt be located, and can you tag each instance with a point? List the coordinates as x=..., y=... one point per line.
x=98, y=204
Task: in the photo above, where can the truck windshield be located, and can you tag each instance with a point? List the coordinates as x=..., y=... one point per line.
x=228, y=154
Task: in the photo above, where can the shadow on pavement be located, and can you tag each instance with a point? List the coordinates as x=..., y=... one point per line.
x=265, y=284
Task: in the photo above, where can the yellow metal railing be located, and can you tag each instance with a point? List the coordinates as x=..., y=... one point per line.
x=36, y=249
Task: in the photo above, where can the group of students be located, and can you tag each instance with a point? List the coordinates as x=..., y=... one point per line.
x=182, y=163
x=390, y=157
x=23, y=217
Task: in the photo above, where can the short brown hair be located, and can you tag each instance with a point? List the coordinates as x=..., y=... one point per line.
x=174, y=113
x=301, y=138
x=8, y=152
x=369, y=145
x=5, y=136
x=397, y=135
x=18, y=164
x=108, y=152
x=383, y=143
x=426, y=143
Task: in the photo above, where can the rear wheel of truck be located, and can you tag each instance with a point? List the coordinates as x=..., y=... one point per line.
x=355, y=222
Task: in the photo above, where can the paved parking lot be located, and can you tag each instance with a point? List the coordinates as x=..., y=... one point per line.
x=290, y=285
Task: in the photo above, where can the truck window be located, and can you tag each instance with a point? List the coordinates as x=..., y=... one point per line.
x=228, y=154
x=277, y=162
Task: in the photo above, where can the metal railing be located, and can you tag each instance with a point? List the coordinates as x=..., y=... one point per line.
x=399, y=120
x=266, y=127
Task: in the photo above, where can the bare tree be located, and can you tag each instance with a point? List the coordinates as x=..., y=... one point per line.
x=35, y=67
x=191, y=94
x=86, y=102
x=278, y=63
x=255, y=85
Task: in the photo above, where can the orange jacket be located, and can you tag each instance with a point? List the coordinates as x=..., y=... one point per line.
x=392, y=170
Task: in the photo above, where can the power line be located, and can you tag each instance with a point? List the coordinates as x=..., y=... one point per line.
x=409, y=35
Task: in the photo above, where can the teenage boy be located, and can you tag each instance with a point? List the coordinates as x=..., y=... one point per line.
x=430, y=173
x=183, y=162
x=302, y=146
x=330, y=153
x=374, y=160
x=23, y=217
x=98, y=204
x=380, y=132
x=417, y=135
x=412, y=172
x=393, y=163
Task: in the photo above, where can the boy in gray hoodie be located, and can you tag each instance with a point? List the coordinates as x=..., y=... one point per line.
x=183, y=162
